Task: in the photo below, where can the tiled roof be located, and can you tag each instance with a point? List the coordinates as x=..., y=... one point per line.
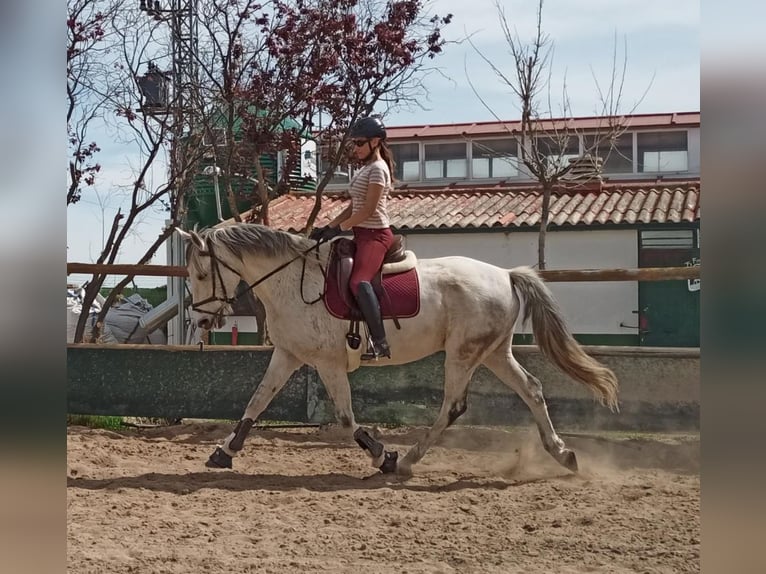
x=497, y=207
x=637, y=121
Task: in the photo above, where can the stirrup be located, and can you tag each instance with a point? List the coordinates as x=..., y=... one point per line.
x=379, y=350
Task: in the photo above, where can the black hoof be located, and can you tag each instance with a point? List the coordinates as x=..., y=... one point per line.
x=570, y=461
x=389, y=462
x=219, y=459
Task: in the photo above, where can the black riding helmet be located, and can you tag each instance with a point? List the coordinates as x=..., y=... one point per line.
x=370, y=127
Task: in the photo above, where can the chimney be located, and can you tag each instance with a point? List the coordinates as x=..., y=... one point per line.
x=585, y=175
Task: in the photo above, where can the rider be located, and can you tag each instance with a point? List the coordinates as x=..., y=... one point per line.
x=366, y=215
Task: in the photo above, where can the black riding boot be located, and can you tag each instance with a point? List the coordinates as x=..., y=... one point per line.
x=370, y=308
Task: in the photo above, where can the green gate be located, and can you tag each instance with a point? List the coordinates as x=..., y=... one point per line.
x=669, y=311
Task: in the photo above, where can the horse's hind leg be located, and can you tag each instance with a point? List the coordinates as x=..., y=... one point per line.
x=281, y=366
x=457, y=376
x=528, y=387
x=336, y=383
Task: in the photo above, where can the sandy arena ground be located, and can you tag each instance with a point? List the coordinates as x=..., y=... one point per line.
x=484, y=501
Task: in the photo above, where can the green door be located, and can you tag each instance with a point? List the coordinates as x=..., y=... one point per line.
x=669, y=313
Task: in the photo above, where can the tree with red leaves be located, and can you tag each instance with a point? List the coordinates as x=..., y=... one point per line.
x=88, y=38
x=289, y=62
x=267, y=70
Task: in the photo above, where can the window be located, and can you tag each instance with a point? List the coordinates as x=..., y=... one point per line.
x=616, y=155
x=494, y=158
x=662, y=152
x=406, y=161
x=447, y=160
x=557, y=151
x=668, y=239
x=342, y=171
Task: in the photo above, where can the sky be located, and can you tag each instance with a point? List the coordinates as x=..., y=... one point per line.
x=661, y=40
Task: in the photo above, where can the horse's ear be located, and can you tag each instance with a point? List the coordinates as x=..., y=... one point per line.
x=199, y=243
x=184, y=235
x=194, y=237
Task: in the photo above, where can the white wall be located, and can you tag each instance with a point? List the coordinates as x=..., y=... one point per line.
x=596, y=308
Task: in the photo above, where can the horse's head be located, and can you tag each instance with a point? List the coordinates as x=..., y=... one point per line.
x=213, y=279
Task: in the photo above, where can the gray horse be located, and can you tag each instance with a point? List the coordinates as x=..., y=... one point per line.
x=468, y=309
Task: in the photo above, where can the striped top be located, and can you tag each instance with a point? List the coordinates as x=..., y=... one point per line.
x=375, y=172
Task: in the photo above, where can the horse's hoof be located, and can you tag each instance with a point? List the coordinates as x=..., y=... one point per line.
x=219, y=459
x=569, y=460
x=389, y=462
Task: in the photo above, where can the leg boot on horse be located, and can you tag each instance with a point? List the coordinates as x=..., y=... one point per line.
x=370, y=308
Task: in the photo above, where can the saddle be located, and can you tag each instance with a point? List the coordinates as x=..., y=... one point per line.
x=396, y=260
x=396, y=285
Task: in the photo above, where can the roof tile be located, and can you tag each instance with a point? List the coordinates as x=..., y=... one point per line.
x=510, y=206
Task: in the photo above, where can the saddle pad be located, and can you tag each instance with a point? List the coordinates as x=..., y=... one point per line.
x=403, y=291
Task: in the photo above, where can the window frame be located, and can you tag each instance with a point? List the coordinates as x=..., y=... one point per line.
x=493, y=177
x=419, y=144
x=638, y=160
x=444, y=141
x=633, y=164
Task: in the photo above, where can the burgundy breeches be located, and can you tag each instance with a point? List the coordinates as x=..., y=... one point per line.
x=371, y=247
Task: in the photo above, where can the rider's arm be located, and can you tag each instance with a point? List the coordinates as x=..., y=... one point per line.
x=374, y=193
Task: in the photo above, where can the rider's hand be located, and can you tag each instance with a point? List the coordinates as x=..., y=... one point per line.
x=325, y=233
x=316, y=233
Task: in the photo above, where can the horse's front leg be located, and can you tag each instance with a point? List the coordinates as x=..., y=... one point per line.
x=335, y=381
x=281, y=366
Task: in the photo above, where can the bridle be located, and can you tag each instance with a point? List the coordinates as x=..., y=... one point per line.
x=215, y=268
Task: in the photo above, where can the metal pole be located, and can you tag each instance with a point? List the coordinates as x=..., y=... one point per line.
x=183, y=22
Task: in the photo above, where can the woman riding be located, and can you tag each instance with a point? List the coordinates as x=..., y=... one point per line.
x=366, y=215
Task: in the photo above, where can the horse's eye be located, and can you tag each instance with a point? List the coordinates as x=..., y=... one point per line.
x=201, y=277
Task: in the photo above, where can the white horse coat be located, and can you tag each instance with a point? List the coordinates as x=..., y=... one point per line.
x=468, y=308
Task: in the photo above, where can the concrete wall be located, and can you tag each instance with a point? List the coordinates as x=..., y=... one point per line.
x=592, y=308
x=659, y=388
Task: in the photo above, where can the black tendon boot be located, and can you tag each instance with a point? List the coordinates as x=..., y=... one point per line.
x=370, y=308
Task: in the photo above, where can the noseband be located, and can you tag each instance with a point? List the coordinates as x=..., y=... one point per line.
x=215, y=268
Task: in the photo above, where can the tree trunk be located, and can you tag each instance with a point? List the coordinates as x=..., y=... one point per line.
x=543, y=227
x=263, y=192
x=91, y=291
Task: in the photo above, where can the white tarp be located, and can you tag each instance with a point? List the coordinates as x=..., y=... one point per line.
x=74, y=300
x=122, y=320
x=120, y=324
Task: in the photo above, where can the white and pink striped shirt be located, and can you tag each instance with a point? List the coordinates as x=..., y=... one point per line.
x=375, y=172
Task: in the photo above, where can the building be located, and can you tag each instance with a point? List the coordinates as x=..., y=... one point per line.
x=462, y=191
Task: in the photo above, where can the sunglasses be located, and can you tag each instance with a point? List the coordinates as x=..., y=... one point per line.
x=360, y=143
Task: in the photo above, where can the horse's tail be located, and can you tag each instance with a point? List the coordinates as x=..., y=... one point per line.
x=555, y=340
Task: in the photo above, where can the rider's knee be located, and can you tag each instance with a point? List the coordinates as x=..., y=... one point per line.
x=353, y=285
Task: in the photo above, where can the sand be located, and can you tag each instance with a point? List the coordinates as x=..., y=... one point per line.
x=306, y=500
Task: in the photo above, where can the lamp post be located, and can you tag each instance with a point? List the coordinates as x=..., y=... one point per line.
x=181, y=16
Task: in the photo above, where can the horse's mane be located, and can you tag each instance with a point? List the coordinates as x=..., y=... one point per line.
x=254, y=238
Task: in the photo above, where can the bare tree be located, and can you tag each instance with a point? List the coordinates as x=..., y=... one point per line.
x=147, y=135
x=551, y=149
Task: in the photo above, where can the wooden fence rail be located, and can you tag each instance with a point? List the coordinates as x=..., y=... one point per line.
x=563, y=275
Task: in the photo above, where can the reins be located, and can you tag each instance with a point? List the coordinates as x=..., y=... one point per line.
x=215, y=261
